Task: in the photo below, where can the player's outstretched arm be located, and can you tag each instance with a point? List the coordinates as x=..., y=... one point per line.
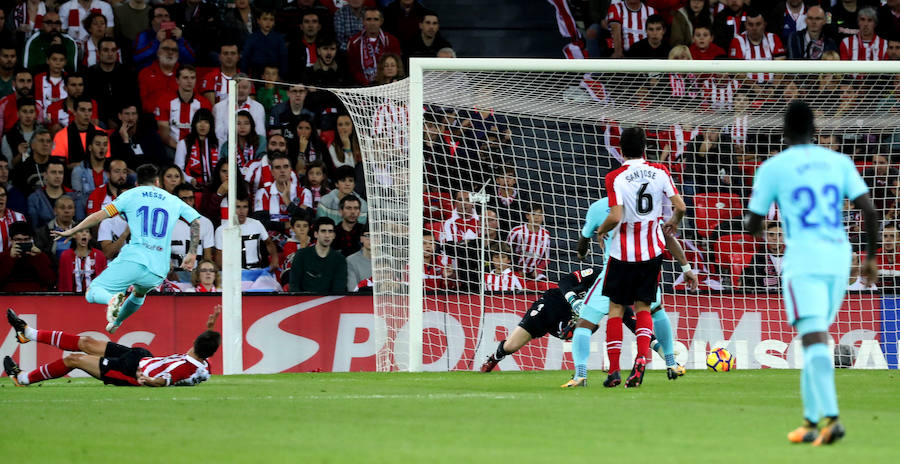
x=869, y=269
x=88, y=222
x=148, y=382
x=678, y=253
x=211, y=321
x=190, y=258
x=679, y=209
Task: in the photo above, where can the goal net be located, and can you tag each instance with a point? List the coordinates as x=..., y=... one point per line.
x=477, y=209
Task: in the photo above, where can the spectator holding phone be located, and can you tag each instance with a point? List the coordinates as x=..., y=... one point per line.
x=24, y=267
x=161, y=28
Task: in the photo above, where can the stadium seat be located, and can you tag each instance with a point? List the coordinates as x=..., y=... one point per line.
x=733, y=253
x=710, y=209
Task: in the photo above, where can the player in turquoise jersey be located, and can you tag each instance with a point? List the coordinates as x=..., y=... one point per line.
x=595, y=305
x=809, y=183
x=144, y=261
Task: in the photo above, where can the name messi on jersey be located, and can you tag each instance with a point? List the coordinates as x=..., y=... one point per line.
x=640, y=174
x=154, y=195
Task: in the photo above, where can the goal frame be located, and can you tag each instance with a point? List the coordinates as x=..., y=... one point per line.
x=418, y=67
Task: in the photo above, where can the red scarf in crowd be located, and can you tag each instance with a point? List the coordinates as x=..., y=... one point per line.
x=201, y=167
x=370, y=53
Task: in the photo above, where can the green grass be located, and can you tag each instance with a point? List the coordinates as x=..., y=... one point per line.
x=459, y=417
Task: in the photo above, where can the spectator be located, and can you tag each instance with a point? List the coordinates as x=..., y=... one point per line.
x=299, y=239
x=509, y=201
x=29, y=174
x=49, y=86
x=40, y=202
x=200, y=22
x=62, y=111
x=316, y=182
x=438, y=267
x=365, y=48
x=214, y=85
x=345, y=181
x=131, y=19
x=214, y=201
x=112, y=235
x=319, y=269
x=238, y=22
x=889, y=20
x=244, y=103
x=250, y=145
x=64, y=219
x=80, y=265
x=628, y=24
x=889, y=257
x=707, y=163
x=117, y=171
x=348, y=21
x=347, y=233
x=428, y=40
x=23, y=267
x=26, y=18
x=653, y=46
x=865, y=45
x=284, y=116
x=137, y=140
x=171, y=176
x=157, y=79
x=14, y=198
x=345, y=149
x=883, y=180
x=198, y=152
x=390, y=69
x=462, y=223
x=9, y=58
x=23, y=84
x=327, y=70
x=254, y=237
x=893, y=50
x=270, y=94
x=359, y=265
x=530, y=244
x=259, y=175
x=729, y=23
x=173, y=114
x=501, y=278
x=70, y=143
x=16, y=140
x=74, y=12
x=812, y=42
x=7, y=218
x=788, y=17
x=38, y=46
x=844, y=15
x=680, y=52
x=148, y=43
x=206, y=277
x=763, y=274
x=306, y=147
x=757, y=44
x=695, y=14
x=284, y=190
x=110, y=83
x=302, y=48
x=402, y=19
x=94, y=171
x=181, y=234
x=89, y=48
x=265, y=47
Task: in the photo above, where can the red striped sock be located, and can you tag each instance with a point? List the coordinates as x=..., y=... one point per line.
x=53, y=370
x=59, y=339
x=643, y=331
x=613, y=342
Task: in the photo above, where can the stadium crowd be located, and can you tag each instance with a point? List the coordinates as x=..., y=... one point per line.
x=93, y=89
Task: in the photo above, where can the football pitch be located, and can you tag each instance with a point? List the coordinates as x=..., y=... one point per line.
x=458, y=417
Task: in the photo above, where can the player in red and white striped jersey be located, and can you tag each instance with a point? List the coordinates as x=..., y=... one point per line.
x=628, y=24
x=502, y=278
x=637, y=191
x=49, y=86
x=757, y=44
x=865, y=46
x=113, y=363
x=530, y=243
x=174, y=112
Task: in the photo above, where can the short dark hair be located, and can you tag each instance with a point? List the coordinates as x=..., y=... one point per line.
x=183, y=68
x=299, y=216
x=86, y=23
x=656, y=19
x=344, y=172
x=83, y=99
x=799, y=121
x=753, y=12
x=322, y=221
x=107, y=163
x=72, y=75
x=347, y=198
x=20, y=228
x=107, y=38
x=325, y=40
x=632, y=142
x=25, y=101
x=56, y=49
x=425, y=13
x=277, y=155
x=94, y=134
x=207, y=343
x=182, y=187
x=57, y=160
x=147, y=174
x=229, y=43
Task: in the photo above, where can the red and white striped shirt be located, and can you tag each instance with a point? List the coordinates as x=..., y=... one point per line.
x=719, y=94
x=854, y=48
x=58, y=113
x=531, y=249
x=434, y=271
x=736, y=22
x=768, y=48
x=177, y=369
x=457, y=229
x=738, y=130
x=269, y=199
x=48, y=90
x=505, y=281
x=641, y=189
x=391, y=122
x=216, y=81
x=634, y=23
x=178, y=114
x=677, y=139
x=8, y=217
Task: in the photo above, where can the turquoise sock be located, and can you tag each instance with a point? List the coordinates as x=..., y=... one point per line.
x=581, y=350
x=820, y=363
x=132, y=304
x=662, y=328
x=811, y=409
x=96, y=294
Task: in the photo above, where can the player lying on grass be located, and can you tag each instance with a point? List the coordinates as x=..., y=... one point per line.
x=552, y=314
x=113, y=363
x=597, y=305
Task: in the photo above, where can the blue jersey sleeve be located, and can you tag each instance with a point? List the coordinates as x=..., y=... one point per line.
x=596, y=214
x=854, y=185
x=764, y=190
x=120, y=204
x=187, y=213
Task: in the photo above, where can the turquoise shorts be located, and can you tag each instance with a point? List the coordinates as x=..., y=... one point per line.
x=120, y=275
x=596, y=305
x=813, y=296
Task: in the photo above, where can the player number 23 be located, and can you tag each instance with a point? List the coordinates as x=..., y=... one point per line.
x=155, y=225
x=832, y=197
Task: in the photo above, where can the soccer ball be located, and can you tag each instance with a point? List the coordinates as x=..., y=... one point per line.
x=721, y=360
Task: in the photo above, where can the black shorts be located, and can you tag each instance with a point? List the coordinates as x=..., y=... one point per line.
x=627, y=282
x=546, y=315
x=119, y=364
